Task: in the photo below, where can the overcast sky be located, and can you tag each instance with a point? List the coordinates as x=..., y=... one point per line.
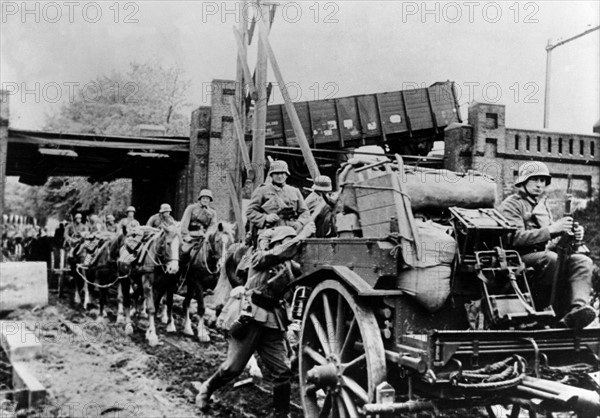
x=494, y=51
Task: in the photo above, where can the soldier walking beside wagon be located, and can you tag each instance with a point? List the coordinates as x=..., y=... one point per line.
x=263, y=329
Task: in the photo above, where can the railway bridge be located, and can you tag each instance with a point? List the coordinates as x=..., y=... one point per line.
x=174, y=169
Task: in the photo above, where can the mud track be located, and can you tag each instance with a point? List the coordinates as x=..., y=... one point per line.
x=93, y=369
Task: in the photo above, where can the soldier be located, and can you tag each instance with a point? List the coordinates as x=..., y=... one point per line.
x=276, y=203
x=76, y=230
x=321, y=194
x=198, y=219
x=161, y=219
x=110, y=224
x=269, y=275
x=95, y=224
x=128, y=223
x=529, y=211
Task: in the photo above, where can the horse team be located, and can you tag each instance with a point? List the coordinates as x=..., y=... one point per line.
x=145, y=267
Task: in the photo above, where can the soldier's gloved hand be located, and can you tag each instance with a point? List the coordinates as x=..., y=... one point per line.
x=562, y=225
x=578, y=231
x=272, y=218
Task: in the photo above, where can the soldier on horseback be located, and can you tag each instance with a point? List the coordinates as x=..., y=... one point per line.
x=75, y=233
x=198, y=219
x=277, y=203
x=110, y=224
x=161, y=219
x=128, y=223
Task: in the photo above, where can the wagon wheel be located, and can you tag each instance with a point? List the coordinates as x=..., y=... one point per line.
x=341, y=354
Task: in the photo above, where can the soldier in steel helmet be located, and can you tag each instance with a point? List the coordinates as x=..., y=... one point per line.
x=198, y=220
x=75, y=232
x=277, y=203
x=528, y=210
x=128, y=223
x=322, y=200
x=270, y=273
x=163, y=218
x=110, y=224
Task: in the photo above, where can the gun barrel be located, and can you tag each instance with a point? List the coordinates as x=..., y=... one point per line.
x=583, y=401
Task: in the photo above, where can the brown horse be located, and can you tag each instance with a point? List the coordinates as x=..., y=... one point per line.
x=99, y=266
x=157, y=267
x=205, y=265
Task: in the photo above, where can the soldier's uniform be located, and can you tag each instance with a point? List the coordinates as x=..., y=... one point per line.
x=325, y=220
x=285, y=201
x=111, y=226
x=74, y=234
x=158, y=221
x=533, y=241
x=265, y=332
x=127, y=224
x=197, y=220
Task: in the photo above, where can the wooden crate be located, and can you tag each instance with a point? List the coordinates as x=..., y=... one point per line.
x=378, y=199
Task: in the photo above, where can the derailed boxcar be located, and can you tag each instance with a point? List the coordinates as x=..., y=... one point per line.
x=418, y=305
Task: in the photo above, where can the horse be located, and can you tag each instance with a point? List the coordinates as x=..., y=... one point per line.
x=99, y=267
x=205, y=263
x=157, y=265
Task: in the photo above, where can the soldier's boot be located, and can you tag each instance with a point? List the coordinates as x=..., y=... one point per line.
x=204, y=394
x=281, y=401
x=578, y=317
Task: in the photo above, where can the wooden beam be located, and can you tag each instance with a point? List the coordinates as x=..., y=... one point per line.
x=22, y=139
x=243, y=62
x=289, y=106
x=4, y=117
x=241, y=139
x=237, y=207
x=260, y=106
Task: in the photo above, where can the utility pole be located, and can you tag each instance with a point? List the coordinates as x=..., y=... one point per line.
x=549, y=47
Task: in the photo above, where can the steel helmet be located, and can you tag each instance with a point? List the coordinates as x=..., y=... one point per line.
x=130, y=209
x=533, y=169
x=110, y=217
x=165, y=207
x=322, y=184
x=267, y=235
x=282, y=232
x=279, y=166
x=205, y=193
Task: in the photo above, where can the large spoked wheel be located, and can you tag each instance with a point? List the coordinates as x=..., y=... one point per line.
x=341, y=354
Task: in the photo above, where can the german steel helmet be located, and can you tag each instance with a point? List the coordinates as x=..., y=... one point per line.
x=267, y=235
x=282, y=232
x=279, y=166
x=205, y=193
x=165, y=207
x=533, y=169
x=130, y=209
x=322, y=184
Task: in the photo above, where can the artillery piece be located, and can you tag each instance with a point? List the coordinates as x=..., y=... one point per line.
x=424, y=308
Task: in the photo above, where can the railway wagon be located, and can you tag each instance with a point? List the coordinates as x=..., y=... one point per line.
x=418, y=305
x=395, y=117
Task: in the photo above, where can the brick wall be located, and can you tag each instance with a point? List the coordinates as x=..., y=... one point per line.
x=223, y=152
x=487, y=145
x=197, y=176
